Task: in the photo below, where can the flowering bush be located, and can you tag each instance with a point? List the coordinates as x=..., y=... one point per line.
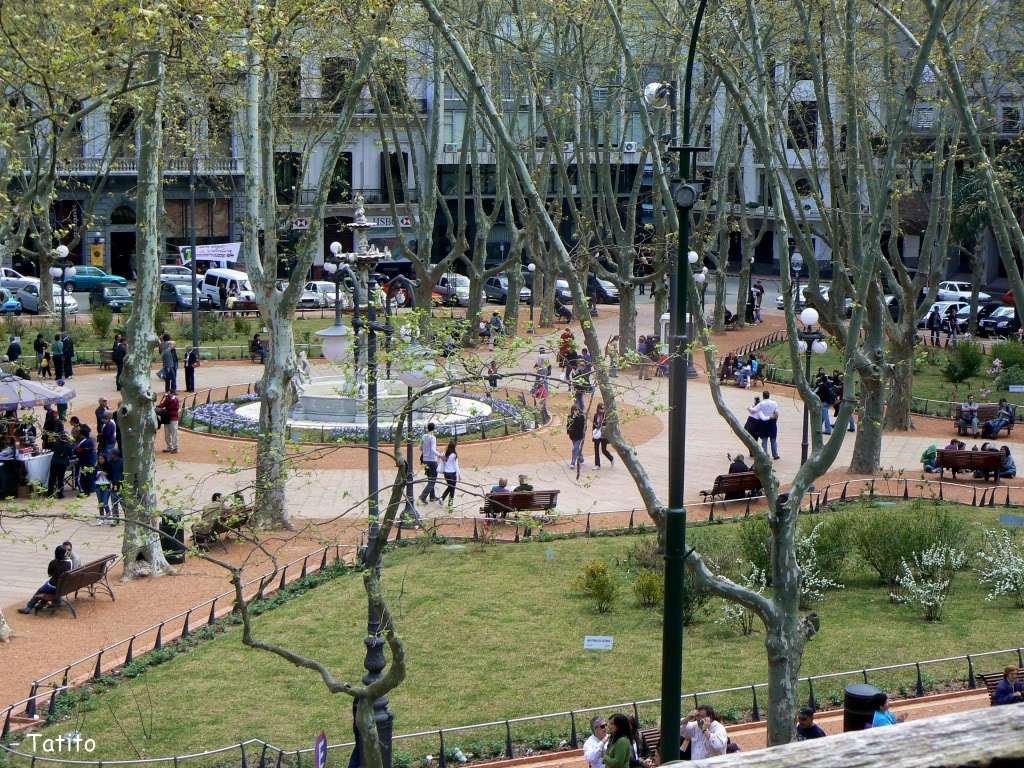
x=739, y=616
x=813, y=581
x=1002, y=566
x=996, y=368
x=927, y=582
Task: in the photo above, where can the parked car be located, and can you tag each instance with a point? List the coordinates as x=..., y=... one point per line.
x=963, y=317
x=14, y=280
x=454, y=290
x=9, y=305
x=823, y=289
x=943, y=307
x=307, y=299
x=496, y=290
x=29, y=298
x=1002, y=322
x=325, y=288
x=86, y=278
x=562, y=292
x=172, y=273
x=179, y=296
x=605, y=291
x=954, y=290
x=233, y=281
x=117, y=297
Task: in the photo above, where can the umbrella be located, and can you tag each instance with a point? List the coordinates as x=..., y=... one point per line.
x=16, y=392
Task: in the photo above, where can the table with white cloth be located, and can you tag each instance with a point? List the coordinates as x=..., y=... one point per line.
x=37, y=468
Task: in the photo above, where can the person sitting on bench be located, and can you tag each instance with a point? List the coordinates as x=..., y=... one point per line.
x=1008, y=468
x=969, y=415
x=60, y=565
x=737, y=464
x=501, y=487
x=1009, y=690
x=524, y=484
x=1004, y=417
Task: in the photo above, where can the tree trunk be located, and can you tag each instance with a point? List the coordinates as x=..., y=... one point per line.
x=784, y=638
x=472, y=337
x=276, y=395
x=627, y=318
x=720, y=278
x=660, y=291
x=901, y=377
x=515, y=284
x=141, y=543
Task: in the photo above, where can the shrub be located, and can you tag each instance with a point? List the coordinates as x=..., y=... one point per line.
x=831, y=542
x=925, y=581
x=213, y=328
x=648, y=588
x=162, y=318
x=736, y=615
x=644, y=555
x=1012, y=375
x=595, y=582
x=1009, y=352
x=593, y=570
x=813, y=581
x=1002, y=566
x=963, y=360
x=887, y=537
x=694, y=599
x=756, y=543
x=102, y=318
x=243, y=327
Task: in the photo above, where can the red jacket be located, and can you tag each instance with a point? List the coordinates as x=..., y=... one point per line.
x=171, y=406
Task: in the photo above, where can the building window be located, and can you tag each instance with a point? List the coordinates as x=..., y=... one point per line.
x=122, y=131
x=803, y=124
x=213, y=220
x=219, y=124
x=1009, y=118
x=289, y=85
x=287, y=175
x=341, y=181
x=335, y=73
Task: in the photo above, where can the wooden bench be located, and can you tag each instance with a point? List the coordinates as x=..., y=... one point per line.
x=106, y=359
x=738, y=485
x=991, y=680
x=88, y=577
x=986, y=462
x=518, y=501
x=986, y=412
x=231, y=520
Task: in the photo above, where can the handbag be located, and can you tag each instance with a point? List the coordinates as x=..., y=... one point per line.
x=597, y=433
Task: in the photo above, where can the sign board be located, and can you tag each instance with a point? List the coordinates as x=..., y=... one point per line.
x=220, y=252
x=96, y=255
x=1014, y=521
x=388, y=222
x=1017, y=387
x=300, y=223
x=320, y=751
x=598, y=642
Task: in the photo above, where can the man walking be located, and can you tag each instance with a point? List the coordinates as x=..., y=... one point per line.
x=429, y=458
x=169, y=410
x=57, y=354
x=118, y=353
x=191, y=363
x=69, y=355
x=768, y=412
x=101, y=411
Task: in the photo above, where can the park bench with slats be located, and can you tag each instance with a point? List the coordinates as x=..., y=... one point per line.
x=518, y=501
x=89, y=577
x=731, y=487
x=986, y=462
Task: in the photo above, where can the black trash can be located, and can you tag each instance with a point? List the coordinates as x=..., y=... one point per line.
x=859, y=706
x=172, y=536
x=748, y=313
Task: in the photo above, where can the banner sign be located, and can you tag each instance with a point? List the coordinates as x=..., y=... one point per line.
x=388, y=222
x=219, y=252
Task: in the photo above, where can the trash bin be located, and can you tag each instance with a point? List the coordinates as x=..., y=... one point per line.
x=858, y=706
x=172, y=536
x=748, y=314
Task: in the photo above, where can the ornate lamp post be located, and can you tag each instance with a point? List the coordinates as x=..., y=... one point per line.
x=811, y=342
x=532, y=269
x=62, y=271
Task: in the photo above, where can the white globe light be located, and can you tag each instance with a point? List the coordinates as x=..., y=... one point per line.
x=699, y=278
x=656, y=95
x=801, y=345
x=809, y=316
x=70, y=272
x=335, y=247
x=336, y=342
x=704, y=270
x=692, y=257
x=55, y=273
x=531, y=267
x=819, y=347
x=330, y=267
x=62, y=251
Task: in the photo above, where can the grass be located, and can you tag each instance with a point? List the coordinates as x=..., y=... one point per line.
x=929, y=383
x=496, y=631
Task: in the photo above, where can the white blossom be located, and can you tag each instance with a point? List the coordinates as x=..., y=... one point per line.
x=926, y=584
x=813, y=583
x=1002, y=566
x=739, y=616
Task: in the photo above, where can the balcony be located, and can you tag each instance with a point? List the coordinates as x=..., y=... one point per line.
x=90, y=166
x=371, y=197
x=322, y=107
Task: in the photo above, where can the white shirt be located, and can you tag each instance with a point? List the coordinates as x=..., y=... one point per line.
x=428, y=447
x=707, y=744
x=451, y=464
x=766, y=409
x=593, y=751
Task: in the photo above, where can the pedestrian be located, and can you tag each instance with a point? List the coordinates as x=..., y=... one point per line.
x=39, y=347
x=222, y=294
x=14, y=349
x=934, y=325
x=883, y=715
x=706, y=734
x=57, y=350
x=826, y=395
x=107, y=435
x=69, y=355
x=168, y=411
x=598, y=435
x=768, y=412
x=45, y=372
x=85, y=452
x=806, y=728
x=759, y=292
x=191, y=363
x=492, y=375
x=118, y=353
x=169, y=360
x=451, y=473
x=429, y=459
x=618, y=749
x=593, y=747
x=60, y=444
x=575, y=426
x=101, y=411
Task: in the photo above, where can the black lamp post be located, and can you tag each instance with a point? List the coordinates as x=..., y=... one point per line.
x=63, y=269
x=532, y=269
x=812, y=342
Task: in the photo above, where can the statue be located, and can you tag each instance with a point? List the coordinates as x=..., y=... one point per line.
x=302, y=376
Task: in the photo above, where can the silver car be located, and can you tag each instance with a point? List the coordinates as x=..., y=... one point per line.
x=29, y=298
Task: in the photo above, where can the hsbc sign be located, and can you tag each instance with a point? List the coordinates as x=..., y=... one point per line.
x=388, y=222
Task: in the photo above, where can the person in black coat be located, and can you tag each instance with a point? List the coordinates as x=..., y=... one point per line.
x=14, y=350
x=60, y=564
x=61, y=446
x=39, y=346
x=69, y=355
x=191, y=363
x=117, y=354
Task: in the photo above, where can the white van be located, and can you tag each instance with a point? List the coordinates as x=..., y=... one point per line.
x=232, y=280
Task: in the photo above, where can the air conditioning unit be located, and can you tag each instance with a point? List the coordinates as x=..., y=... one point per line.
x=629, y=147
x=567, y=147
x=451, y=147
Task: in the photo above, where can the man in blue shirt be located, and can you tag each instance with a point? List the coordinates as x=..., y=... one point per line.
x=806, y=728
x=1010, y=690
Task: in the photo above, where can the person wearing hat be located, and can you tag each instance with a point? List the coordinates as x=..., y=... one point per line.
x=806, y=728
x=524, y=484
x=593, y=747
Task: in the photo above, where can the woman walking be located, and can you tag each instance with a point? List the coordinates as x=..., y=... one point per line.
x=451, y=473
x=575, y=428
x=600, y=441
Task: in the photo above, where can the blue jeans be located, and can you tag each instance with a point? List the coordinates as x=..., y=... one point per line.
x=775, y=445
x=826, y=418
x=577, y=453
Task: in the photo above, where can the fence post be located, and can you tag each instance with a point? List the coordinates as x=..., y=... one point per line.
x=241, y=748
x=302, y=575
x=259, y=589
x=263, y=757
x=810, y=698
x=213, y=613
x=7, y=725
x=98, y=672
x=971, y=682
x=30, y=707
x=128, y=653
x=508, y=739
x=920, y=682
x=53, y=704
x=184, y=627
x=574, y=740
x=158, y=644
x=284, y=577
x=865, y=673
x=442, y=758
x=755, y=713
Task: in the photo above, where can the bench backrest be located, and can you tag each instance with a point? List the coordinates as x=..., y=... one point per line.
x=84, y=575
x=991, y=680
x=520, y=500
x=983, y=460
x=986, y=411
x=738, y=481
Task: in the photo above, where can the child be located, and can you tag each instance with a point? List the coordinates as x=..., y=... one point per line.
x=44, y=371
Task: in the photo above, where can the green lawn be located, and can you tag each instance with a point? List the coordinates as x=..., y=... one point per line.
x=929, y=382
x=496, y=631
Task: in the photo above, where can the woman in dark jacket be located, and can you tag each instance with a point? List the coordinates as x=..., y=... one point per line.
x=575, y=428
x=60, y=564
x=600, y=441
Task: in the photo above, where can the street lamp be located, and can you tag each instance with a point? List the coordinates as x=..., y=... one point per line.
x=532, y=268
x=811, y=342
x=796, y=265
x=63, y=271
x=660, y=96
x=417, y=372
x=336, y=275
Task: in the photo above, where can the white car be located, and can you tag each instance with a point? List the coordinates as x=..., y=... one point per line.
x=171, y=273
x=14, y=280
x=953, y=290
x=29, y=298
x=823, y=289
x=307, y=299
x=325, y=289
